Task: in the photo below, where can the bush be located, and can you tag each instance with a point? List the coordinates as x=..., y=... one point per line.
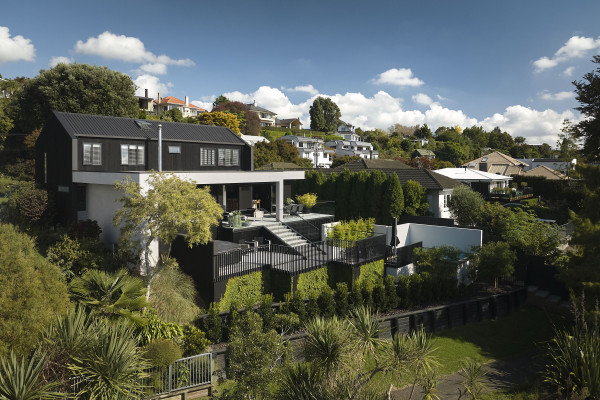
x=326, y=303
x=212, y=324
x=415, y=286
x=356, y=299
x=371, y=273
x=155, y=328
x=340, y=297
x=312, y=307
x=379, y=299
x=309, y=200
x=390, y=291
x=194, y=341
x=297, y=305
x=352, y=229
x=265, y=310
x=402, y=290
x=367, y=296
x=162, y=352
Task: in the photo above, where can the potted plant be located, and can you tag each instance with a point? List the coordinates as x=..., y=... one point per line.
x=308, y=200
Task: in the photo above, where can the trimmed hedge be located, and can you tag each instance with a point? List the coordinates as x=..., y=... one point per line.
x=245, y=289
x=312, y=283
x=371, y=273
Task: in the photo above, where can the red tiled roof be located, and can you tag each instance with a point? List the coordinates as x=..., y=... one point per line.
x=175, y=100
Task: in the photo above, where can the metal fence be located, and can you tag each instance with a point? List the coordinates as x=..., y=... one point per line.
x=298, y=259
x=401, y=256
x=184, y=373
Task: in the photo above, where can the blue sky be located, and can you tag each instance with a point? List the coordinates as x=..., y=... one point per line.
x=507, y=64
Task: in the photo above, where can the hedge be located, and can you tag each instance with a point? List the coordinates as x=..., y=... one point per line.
x=312, y=283
x=245, y=289
x=371, y=273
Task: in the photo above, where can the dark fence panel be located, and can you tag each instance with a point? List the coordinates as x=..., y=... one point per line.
x=402, y=255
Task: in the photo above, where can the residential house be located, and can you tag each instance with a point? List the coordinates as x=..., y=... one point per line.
x=545, y=172
x=252, y=140
x=79, y=157
x=267, y=118
x=146, y=103
x=353, y=148
x=289, y=123
x=346, y=131
x=497, y=163
x=311, y=148
x=479, y=181
x=171, y=103
x=438, y=187
x=418, y=153
x=552, y=163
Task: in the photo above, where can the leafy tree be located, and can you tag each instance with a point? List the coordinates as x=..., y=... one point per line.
x=464, y=205
x=324, y=115
x=220, y=100
x=492, y=261
x=169, y=205
x=174, y=115
x=76, y=88
x=415, y=198
x=500, y=140
x=423, y=132
x=29, y=206
x=255, y=358
x=249, y=121
x=219, y=118
x=277, y=151
x=451, y=152
x=441, y=262
x=394, y=198
x=588, y=95
x=566, y=144
x=32, y=291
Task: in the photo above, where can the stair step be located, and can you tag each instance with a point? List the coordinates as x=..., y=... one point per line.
x=532, y=288
x=542, y=294
x=554, y=299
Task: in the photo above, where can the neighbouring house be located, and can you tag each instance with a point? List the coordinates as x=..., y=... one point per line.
x=346, y=131
x=252, y=140
x=418, y=153
x=146, y=103
x=479, y=181
x=438, y=187
x=267, y=118
x=79, y=157
x=171, y=103
x=290, y=123
x=497, y=163
x=311, y=148
x=353, y=148
x=545, y=172
x=421, y=142
x=551, y=163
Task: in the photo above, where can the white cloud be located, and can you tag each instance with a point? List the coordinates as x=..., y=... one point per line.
x=575, y=47
x=153, y=84
x=545, y=95
x=54, y=61
x=422, y=98
x=310, y=89
x=397, y=77
x=16, y=48
x=569, y=71
x=153, y=69
x=126, y=48
x=536, y=126
x=440, y=97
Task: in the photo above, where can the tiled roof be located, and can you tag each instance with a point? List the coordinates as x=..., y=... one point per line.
x=252, y=107
x=86, y=125
x=496, y=158
x=545, y=172
x=175, y=100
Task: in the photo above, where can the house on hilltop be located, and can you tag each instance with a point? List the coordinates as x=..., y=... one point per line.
x=267, y=117
x=497, y=163
x=171, y=103
x=311, y=148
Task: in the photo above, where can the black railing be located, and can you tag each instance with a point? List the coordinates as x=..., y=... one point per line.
x=298, y=259
x=401, y=256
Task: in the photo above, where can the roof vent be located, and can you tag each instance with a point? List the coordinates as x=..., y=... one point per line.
x=143, y=124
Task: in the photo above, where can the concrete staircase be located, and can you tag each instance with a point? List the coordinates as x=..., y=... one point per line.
x=285, y=234
x=543, y=298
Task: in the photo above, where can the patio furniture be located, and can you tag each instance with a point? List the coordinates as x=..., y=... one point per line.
x=294, y=209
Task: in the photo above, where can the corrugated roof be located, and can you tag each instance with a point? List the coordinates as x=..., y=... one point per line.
x=87, y=125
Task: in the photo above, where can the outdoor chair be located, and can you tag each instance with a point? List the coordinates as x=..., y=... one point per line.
x=300, y=208
x=294, y=209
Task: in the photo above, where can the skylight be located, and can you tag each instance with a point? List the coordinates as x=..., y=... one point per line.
x=143, y=124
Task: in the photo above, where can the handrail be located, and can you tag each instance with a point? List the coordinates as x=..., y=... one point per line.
x=292, y=229
x=303, y=219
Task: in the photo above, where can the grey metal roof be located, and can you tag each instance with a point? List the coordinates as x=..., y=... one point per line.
x=87, y=125
x=253, y=107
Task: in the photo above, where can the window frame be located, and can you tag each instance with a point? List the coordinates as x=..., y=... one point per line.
x=138, y=150
x=94, y=156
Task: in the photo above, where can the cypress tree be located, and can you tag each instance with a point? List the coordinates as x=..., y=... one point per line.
x=394, y=198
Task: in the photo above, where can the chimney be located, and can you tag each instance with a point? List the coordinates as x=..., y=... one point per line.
x=254, y=103
x=159, y=147
x=483, y=166
x=158, y=97
x=146, y=93
x=187, y=101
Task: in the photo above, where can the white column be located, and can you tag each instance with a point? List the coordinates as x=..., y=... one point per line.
x=224, y=192
x=279, y=199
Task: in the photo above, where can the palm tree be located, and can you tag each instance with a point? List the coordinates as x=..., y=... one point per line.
x=21, y=379
x=110, y=294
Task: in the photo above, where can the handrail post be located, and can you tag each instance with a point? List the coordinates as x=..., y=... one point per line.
x=170, y=378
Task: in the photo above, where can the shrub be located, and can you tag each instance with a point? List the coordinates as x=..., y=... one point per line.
x=308, y=199
x=245, y=289
x=173, y=296
x=371, y=273
x=340, y=297
x=265, y=310
x=430, y=290
x=352, y=229
x=296, y=305
x=161, y=352
x=212, y=324
x=286, y=323
x=367, y=296
x=312, y=283
x=379, y=299
x=415, y=289
x=402, y=290
x=155, y=328
x=390, y=291
x=326, y=303
x=356, y=298
x=194, y=341
x=312, y=307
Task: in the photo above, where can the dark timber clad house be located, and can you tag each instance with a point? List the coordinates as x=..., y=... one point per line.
x=79, y=157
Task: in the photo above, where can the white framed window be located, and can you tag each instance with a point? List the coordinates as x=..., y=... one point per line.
x=229, y=157
x=92, y=154
x=207, y=156
x=132, y=154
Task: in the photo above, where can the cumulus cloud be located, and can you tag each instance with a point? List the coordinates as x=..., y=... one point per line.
x=575, y=47
x=440, y=97
x=153, y=84
x=398, y=77
x=422, y=98
x=54, y=61
x=310, y=89
x=129, y=49
x=569, y=71
x=16, y=48
x=546, y=95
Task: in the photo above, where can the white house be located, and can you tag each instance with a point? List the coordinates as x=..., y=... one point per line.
x=171, y=103
x=267, y=118
x=252, y=140
x=311, y=148
x=480, y=181
x=353, y=148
